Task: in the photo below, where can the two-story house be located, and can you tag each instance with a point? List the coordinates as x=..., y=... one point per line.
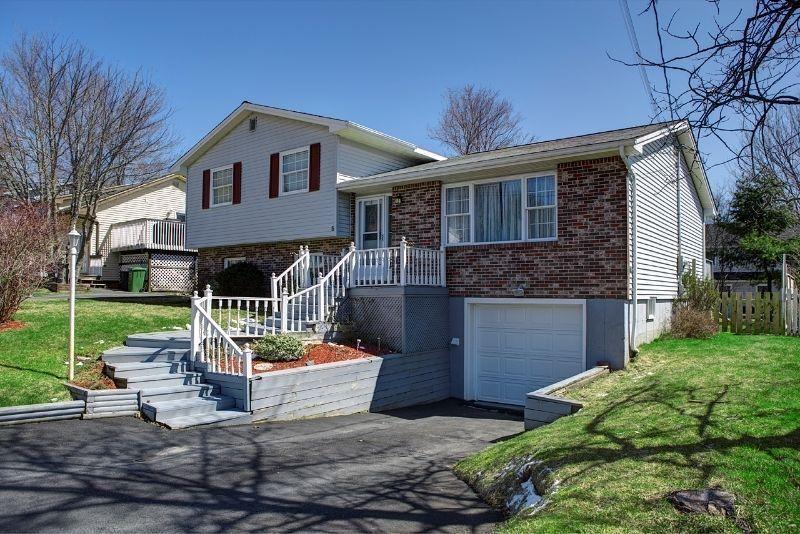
x=525, y=264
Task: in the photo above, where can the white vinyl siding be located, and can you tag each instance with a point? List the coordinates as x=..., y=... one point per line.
x=344, y=215
x=657, y=220
x=359, y=160
x=260, y=219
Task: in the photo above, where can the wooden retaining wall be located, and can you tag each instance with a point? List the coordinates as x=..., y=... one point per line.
x=41, y=412
x=106, y=402
x=369, y=384
x=544, y=405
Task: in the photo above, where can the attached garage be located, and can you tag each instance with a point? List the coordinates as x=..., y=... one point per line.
x=515, y=346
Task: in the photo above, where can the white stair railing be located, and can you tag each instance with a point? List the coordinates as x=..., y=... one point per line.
x=213, y=350
x=294, y=277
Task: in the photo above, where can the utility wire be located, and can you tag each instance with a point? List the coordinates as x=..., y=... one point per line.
x=626, y=16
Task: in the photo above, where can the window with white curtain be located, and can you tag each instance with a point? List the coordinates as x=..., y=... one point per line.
x=541, y=207
x=457, y=213
x=501, y=211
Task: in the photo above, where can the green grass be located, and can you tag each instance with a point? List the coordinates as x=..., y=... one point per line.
x=685, y=414
x=33, y=359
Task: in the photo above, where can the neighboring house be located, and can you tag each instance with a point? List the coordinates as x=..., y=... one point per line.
x=525, y=262
x=140, y=225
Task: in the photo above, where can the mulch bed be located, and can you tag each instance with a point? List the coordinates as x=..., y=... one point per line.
x=325, y=353
x=90, y=376
x=11, y=325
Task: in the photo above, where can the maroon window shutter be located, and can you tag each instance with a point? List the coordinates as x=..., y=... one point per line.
x=206, y=188
x=274, y=175
x=313, y=167
x=237, y=182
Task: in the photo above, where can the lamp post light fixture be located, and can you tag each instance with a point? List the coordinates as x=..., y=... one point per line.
x=74, y=239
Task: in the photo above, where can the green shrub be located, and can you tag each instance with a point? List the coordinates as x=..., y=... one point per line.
x=279, y=348
x=699, y=293
x=240, y=280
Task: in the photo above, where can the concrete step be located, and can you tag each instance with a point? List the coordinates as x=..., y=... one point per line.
x=143, y=354
x=171, y=339
x=160, y=410
x=167, y=393
x=125, y=370
x=158, y=380
x=218, y=418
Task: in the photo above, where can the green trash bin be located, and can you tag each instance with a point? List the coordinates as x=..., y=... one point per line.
x=136, y=279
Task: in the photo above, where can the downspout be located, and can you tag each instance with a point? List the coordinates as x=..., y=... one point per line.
x=678, y=180
x=634, y=292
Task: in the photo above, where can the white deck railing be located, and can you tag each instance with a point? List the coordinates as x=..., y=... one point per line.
x=148, y=233
x=403, y=265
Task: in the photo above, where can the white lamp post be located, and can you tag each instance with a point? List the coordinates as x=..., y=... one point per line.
x=74, y=239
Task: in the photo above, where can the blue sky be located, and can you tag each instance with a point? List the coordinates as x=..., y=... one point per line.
x=381, y=64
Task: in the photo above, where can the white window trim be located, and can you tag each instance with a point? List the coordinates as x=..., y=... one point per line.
x=211, y=203
x=281, y=192
x=226, y=262
x=524, y=205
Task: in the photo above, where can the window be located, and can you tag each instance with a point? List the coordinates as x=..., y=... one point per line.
x=501, y=210
x=294, y=171
x=651, y=309
x=541, y=207
x=498, y=211
x=227, y=262
x=222, y=186
x=457, y=214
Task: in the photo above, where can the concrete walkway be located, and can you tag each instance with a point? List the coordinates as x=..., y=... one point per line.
x=385, y=472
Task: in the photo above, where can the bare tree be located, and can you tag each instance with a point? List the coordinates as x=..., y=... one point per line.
x=728, y=75
x=777, y=150
x=71, y=124
x=476, y=120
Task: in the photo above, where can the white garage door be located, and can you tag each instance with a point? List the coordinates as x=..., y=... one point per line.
x=519, y=348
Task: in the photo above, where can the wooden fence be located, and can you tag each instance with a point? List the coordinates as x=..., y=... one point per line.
x=757, y=313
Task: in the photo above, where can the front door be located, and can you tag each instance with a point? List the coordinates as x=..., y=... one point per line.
x=372, y=266
x=371, y=223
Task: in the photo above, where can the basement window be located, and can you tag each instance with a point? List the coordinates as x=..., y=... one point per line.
x=651, y=309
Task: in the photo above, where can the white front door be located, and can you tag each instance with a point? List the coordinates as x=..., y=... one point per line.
x=519, y=348
x=371, y=222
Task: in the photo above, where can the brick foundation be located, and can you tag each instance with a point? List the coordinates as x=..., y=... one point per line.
x=269, y=257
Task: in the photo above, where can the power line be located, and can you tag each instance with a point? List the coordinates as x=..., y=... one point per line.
x=626, y=16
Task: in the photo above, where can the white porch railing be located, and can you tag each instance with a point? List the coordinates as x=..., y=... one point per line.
x=302, y=273
x=148, y=233
x=403, y=265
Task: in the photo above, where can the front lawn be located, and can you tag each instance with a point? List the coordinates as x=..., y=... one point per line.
x=685, y=414
x=33, y=360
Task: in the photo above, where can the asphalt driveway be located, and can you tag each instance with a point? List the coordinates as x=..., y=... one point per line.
x=366, y=472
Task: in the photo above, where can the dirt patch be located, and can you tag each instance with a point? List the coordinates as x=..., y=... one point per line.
x=11, y=325
x=324, y=353
x=90, y=376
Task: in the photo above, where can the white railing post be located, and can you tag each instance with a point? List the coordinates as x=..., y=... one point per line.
x=194, y=331
x=442, y=267
x=247, y=356
x=320, y=298
x=285, y=310
x=208, y=294
x=403, y=261
x=274, y=281
x=352, y=266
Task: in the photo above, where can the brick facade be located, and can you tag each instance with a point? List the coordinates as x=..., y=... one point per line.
x=269, y=257
x=589, y=259
x=418, y=215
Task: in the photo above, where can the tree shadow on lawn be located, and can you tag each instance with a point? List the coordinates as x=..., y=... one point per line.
x=29, y=370
x=679, y=452
x=127, y=475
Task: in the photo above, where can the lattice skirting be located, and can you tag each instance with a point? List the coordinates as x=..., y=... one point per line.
x=373, y=318
x=172, y=272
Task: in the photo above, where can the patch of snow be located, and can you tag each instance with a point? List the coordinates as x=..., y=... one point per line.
x=525, y=497
x=99, y=341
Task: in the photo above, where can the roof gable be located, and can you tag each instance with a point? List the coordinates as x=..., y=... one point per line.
x=340, y=127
